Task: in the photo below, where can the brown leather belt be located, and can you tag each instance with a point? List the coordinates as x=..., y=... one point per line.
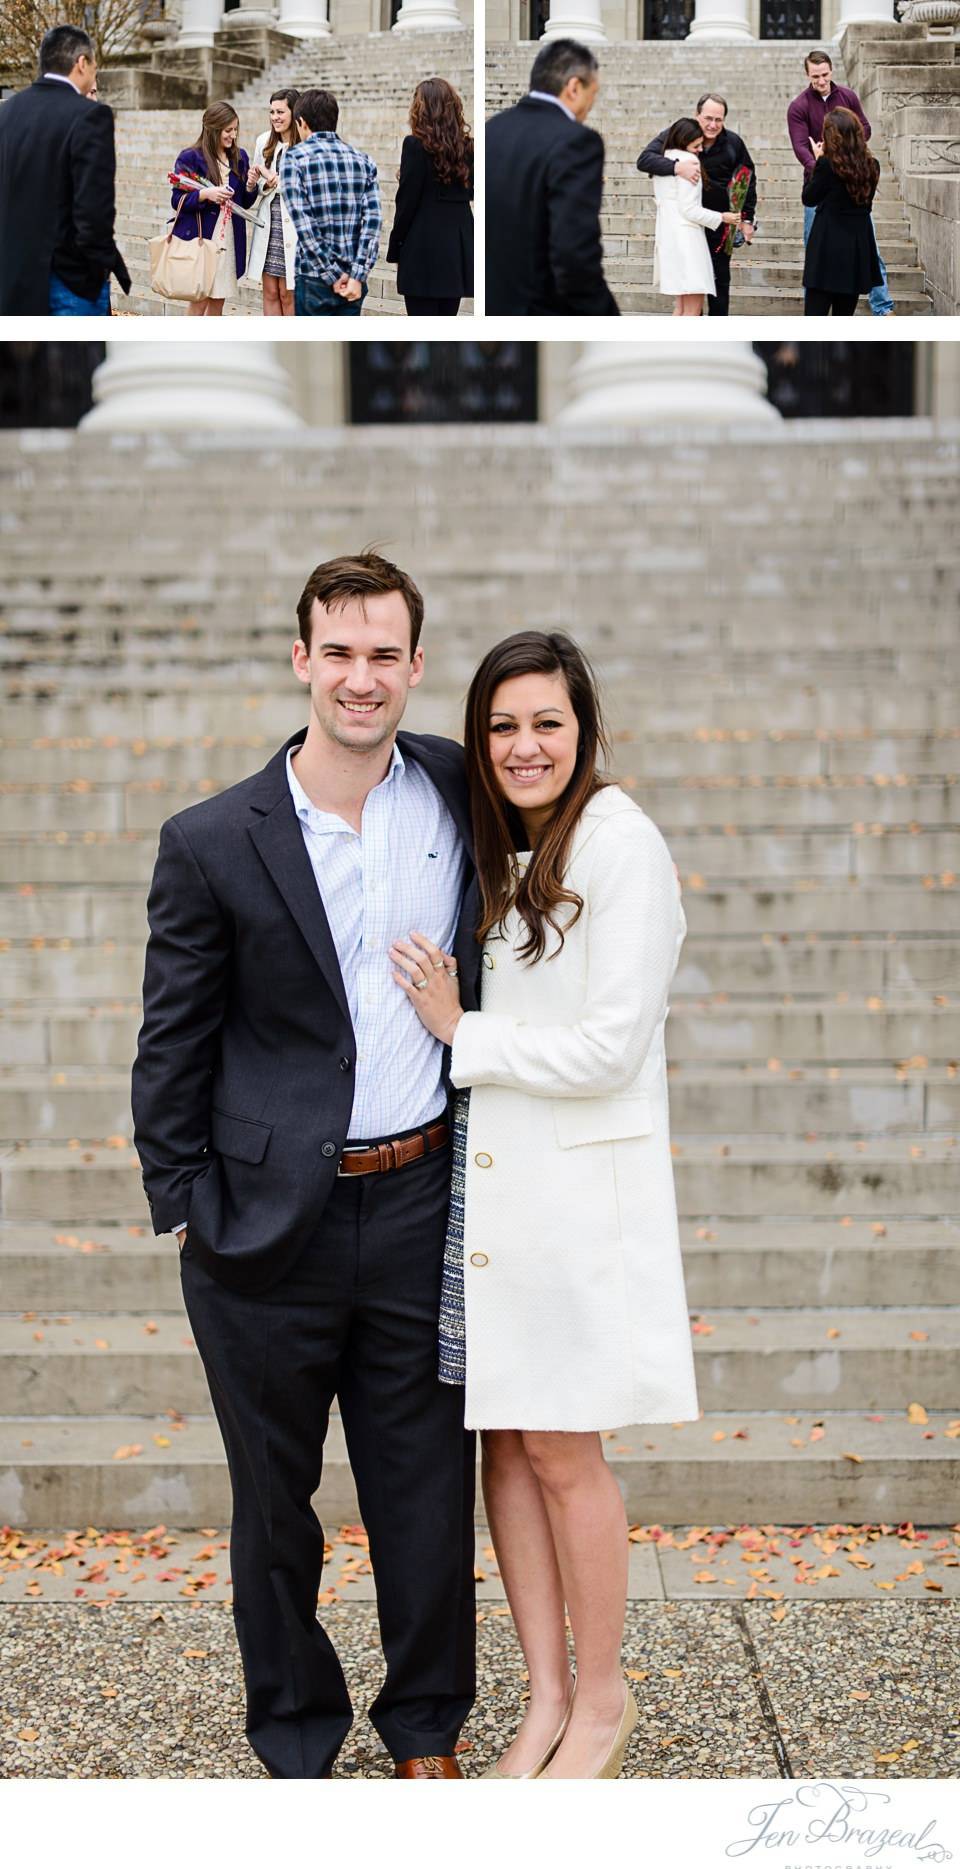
x=385, y=1155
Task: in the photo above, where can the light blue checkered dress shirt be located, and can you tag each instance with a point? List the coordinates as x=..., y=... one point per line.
x=403, y=870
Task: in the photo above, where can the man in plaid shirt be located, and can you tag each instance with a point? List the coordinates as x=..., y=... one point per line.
x=331, y=194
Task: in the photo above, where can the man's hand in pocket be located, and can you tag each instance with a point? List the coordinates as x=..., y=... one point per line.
x=181, y=1236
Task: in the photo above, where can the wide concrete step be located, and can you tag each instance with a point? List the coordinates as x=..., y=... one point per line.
x=779, y=248
x=141, y=804
x=751, y=965
x=32, y=666
x=88, y=1105
x=29, y=710
x=746, y=758
x=47, y=1033
x=59, y=912
x=92, y=1363
x=887, y=1175
x=67, y=1474
x=746, y=800
x=759, y=302
x=128, y=856
x=753, y=1263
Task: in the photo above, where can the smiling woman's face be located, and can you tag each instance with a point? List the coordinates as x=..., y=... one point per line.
x=533, y=743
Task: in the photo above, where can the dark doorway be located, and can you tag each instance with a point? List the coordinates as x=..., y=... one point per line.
x=840, y=379
x=44, y=385
x=537, y=14
x=465, y=382
x=790, y=19
x=667, y=19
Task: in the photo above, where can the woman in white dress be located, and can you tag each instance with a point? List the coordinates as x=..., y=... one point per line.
x=682, y=267
x=273, y=241
x=563, y=1305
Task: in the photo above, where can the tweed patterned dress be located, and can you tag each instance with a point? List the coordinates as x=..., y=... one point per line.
x=453, y=1367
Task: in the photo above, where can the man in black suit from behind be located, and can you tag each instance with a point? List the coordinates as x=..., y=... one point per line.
x=57, y=188
x=544, y=192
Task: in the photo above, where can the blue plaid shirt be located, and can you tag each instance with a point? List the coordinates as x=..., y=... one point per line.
x=331, y=194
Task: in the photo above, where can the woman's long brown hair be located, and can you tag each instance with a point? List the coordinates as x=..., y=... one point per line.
x=289, y=97
x=436, y=120
x=216, y=118
x=845, y=148
x=681, y=134
x=497, y=828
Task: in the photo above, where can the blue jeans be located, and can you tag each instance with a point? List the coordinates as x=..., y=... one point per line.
x=880, y=300
x=66, y=304
x=313, y=298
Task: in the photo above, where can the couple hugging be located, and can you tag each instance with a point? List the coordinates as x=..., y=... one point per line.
x=401, y=1091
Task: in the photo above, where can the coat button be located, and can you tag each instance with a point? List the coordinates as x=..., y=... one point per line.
x=344, y=1064
x=328, y=1148
x=483, y=1160
x=479, y=1258
x=489, y=962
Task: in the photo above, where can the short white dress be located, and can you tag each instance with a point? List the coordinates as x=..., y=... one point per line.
x=225, y=280
x=681, y=257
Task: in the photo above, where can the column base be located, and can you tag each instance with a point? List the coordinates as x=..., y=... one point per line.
x=633, y=385
x=865, y=14
x=304, y=29
x=190, y=387
x=433, y=18
x=585, y=30
x=721, y=32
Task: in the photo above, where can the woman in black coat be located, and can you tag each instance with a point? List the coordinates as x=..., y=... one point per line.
x=841, y=258
x=431, y=244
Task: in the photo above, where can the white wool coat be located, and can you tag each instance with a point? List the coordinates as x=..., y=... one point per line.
x=260, y=235
x=681, y=256
x=575, y=1311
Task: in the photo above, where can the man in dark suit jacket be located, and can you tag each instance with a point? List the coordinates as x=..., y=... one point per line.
x=290, y=1113
x=544, y=192
x=57, y=188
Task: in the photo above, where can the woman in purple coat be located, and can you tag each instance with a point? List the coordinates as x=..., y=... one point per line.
x=218, y=156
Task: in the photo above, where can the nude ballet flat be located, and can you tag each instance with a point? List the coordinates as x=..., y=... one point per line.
x=535, y=1770
x=613, y=1763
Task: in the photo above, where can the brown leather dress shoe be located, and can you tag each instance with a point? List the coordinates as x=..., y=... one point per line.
x=436, y=1766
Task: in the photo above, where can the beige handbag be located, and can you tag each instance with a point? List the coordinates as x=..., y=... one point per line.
x=183, y=269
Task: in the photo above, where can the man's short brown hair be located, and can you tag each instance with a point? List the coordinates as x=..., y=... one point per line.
x=367, y=575
x=817, y=58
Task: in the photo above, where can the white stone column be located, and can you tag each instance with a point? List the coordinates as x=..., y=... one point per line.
x=249, y=13
x=304, y=19
x=722, y=22
x=199, y=22
x=853, y=12
x=199, y=388
x=575, y=19
x=428, y=16
x=631, y=384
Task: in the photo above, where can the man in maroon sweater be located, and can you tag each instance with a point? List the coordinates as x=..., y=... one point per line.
x=805, y=125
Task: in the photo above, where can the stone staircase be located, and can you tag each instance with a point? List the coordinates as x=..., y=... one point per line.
x=373, y=79
x=777, y=686
x=647, y=85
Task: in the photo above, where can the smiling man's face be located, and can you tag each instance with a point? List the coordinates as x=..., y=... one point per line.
x=359, y=669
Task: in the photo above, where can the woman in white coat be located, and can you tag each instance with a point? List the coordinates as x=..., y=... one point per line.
x=563, y=1229
x=682, y=267
x=273, y=242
